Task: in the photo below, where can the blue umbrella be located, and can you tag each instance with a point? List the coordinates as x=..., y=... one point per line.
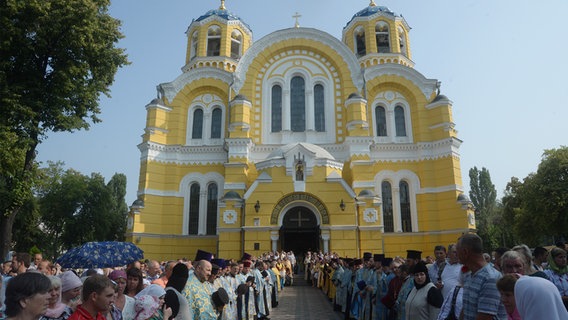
x=106, y=254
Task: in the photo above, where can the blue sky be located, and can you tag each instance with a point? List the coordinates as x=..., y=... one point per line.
x=502, y=63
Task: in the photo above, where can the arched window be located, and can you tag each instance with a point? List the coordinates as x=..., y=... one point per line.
x=212, y=209
x=216, y=123
x=236, y=40
x=298, y=104
x=214, y=41
x=197, y=127
x=388, y=220
x=399, y=121
x=381, y=119
x=194, y=208
x=276, y=108
x=402, y=40
x=194, y=43
x=405, y=215
x=319, y=108
x=360, y=46
x=382, y=36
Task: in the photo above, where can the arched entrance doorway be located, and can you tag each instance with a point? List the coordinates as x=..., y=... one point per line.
x=300, y=231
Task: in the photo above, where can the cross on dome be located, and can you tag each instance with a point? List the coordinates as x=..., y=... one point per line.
x=372, y=4
x=296, y=16
x=222, y=7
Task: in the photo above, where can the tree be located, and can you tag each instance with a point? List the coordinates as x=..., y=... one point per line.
x=75, y=208
x=56, y=59
x=483, y=195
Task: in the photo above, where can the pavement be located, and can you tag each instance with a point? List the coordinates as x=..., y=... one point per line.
x=302, y=301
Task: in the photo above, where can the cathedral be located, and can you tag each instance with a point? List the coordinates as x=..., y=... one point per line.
x=299, y=141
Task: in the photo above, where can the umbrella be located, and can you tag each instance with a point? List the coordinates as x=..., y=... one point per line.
x=105, y=254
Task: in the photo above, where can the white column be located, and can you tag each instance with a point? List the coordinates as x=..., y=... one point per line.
x=206, y=126
x=310, y=117
x=396, y=209
x=285, y=110
x=202, y=226
x=391, y=125
x=274, y=236
x=325, y=236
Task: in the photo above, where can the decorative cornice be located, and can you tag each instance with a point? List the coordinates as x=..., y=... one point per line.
x=310, y=34
x=169, y=236
x=427, y=86
x=182, y=155
x=415, y=152
x=195, y=24
x=378, y=14
x=171, y=89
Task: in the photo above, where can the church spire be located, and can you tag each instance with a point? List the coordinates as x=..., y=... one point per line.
x=372, y=4
x=222, y=6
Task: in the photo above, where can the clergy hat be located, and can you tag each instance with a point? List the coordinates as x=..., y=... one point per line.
x=247, y=263
x=264, y=273
x=250, y=279
x=378, y=257
x=220, y=297
x=220, y=262
x=420, y=267
x=367, y=256
x=386, y=262
x=242, y=289
x=203, y=255
x=357, y=262
x=413, y=254
x=361, y=285
x=246, y=256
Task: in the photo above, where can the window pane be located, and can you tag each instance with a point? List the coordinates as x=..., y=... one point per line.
x=276, y=108
x=216, y=122
x=382, y=37
x=236, y=44
x=361, y=47
x=194, y=208
x=399, y=121
x=214, y=41
x=319, y=108
x=387, y=206
x=212, y=209
x=197, y=128
x=381, y=118
x=298, y=105
x=405, y=216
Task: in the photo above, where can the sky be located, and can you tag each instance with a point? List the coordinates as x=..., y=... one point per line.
x=502, y=63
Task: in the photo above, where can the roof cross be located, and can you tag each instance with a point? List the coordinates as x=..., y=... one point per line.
x=222, y=7
x=296, y=16
x=372, y=4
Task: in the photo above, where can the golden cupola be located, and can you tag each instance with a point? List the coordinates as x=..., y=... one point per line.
x=377, y=35
x=217, y=39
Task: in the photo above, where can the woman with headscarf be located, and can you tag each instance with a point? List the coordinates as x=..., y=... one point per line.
x=122, y=301
x=536, y=298
x=27, y=296
x=425, y=300
x=56, y=309
x=150, y=302
x=174, y=299
x=557, y=272
x=71, y=289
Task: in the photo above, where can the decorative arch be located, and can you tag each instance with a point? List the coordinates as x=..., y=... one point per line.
x=203, y=180
x=395, y=178
x=299, y=198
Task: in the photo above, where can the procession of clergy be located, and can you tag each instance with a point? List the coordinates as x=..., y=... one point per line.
x=248, y=289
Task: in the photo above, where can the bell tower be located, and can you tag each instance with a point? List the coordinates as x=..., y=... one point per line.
x=217, y=39
x=377, y=35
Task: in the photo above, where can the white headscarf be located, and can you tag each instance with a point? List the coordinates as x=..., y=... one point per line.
x=538, y=298
x=153, y=290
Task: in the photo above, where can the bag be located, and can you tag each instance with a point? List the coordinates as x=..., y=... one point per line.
x=452, y=315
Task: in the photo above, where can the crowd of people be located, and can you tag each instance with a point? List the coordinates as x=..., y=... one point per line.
x=459, y=282
x=206, y=288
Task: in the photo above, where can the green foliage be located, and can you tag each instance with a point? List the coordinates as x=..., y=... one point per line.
x=76, y=208
x=56, y=59
x=483, y=195
x=539, y=205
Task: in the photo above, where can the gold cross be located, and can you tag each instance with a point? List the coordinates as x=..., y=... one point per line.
x=222, y=7
x=372, y=4
x=296, y=16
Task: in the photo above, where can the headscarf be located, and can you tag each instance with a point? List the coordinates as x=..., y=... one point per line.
x=153, y=290
x=552, y=265
x=145, y=306
x=421, y=267
x=538, y=298
x=60, y=307
x=69, y=281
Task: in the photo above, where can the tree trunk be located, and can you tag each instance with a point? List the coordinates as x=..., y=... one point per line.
x=6, y=223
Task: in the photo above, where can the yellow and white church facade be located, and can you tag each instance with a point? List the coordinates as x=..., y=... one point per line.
x=299, y=141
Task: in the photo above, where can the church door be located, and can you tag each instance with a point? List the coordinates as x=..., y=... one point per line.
x=300, y=231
